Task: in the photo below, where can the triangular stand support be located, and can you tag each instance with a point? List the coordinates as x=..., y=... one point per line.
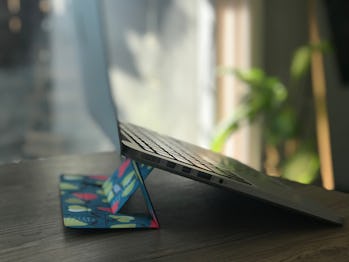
x=95, y=201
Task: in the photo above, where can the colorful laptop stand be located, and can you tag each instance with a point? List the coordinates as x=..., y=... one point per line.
x=95, y=201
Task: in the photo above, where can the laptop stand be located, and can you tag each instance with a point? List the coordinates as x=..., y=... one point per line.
x=95, y=201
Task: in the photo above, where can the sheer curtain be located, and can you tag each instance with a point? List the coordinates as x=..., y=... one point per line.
x=239, y=46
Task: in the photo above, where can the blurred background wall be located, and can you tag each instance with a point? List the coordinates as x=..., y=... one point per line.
x=162, y=57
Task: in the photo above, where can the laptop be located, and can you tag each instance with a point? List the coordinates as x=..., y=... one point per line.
x=161, y=151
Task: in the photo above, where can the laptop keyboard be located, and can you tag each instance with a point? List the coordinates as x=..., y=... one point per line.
x=170, y=148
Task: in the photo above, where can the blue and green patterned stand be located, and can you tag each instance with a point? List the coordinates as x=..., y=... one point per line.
x=95, y=201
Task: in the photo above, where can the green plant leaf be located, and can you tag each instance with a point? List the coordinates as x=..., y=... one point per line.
x=302, y=167
x=300, y=62
x=253, y=77
x=282, y=125
x=227, y=128
x=225, y=70
x=302, y=58
x=323, y=46
x=266, y=95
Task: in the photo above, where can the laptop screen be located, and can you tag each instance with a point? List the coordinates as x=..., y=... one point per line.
x=94, y=67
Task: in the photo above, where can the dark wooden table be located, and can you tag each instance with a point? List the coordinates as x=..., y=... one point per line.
x=198, y=222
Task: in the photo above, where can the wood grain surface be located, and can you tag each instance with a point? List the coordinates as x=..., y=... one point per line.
x=198, y=222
